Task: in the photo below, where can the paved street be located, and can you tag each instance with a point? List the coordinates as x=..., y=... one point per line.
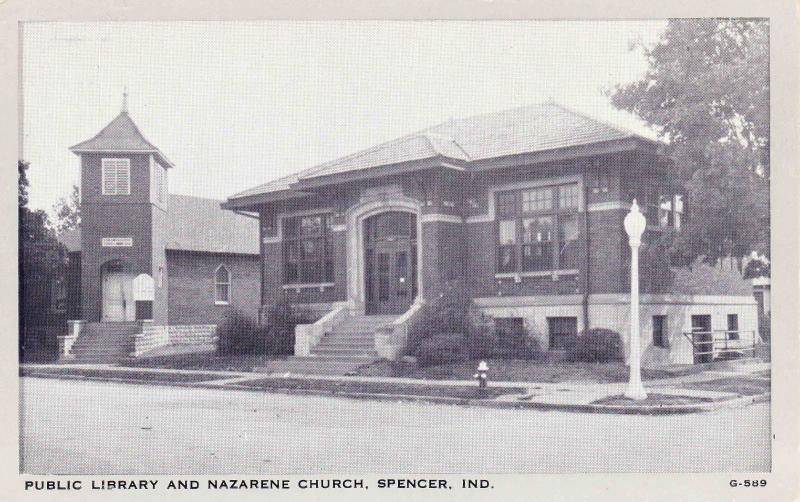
x=100, y=427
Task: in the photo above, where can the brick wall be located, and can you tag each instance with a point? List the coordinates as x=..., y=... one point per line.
x=113, y=216
x=112, y=220
x=191, y=286
x=606, y=242
x=451, y=250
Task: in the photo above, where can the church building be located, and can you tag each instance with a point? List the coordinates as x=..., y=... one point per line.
x=145, y=265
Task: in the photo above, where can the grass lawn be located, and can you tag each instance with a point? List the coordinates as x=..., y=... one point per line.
x=519, y=370
x=454, y=391
x=513, y=370
x=121, y=374
x=206, y=361
x=743, y=386
x=652, y=400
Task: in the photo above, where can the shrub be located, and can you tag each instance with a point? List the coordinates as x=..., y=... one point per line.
x=481, y=335
x=236, y=334
x=446, y=313
x=520, y=345
x=596, y=345
x=240, y=334
x=276, y=335
x=484, y=340
x=440, y=349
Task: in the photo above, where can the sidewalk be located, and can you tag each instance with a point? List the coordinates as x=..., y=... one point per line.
x=684, y=394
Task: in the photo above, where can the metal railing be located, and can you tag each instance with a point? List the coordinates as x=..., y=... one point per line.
x=721, y=344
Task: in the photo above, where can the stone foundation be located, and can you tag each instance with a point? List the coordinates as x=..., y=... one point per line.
x=613, y=312
x=192, y=334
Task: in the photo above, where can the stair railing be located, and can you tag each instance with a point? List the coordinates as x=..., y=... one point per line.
x=307, y=336
x=391, y=340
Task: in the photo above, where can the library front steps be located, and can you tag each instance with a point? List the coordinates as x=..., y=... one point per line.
x=345, y=348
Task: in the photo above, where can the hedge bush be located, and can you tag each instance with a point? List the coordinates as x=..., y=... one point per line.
x=483, y=340
x=279, y=324
x=441, y=349
x=240, y=334
x=596, y=345
x=236, y=334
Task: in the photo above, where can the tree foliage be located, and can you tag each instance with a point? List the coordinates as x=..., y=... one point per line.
x=706, y=92
x=41, y=258
x=68, y=211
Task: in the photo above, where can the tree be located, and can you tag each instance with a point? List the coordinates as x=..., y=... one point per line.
x=41, y=260
x=68, y=211
x=706, y=93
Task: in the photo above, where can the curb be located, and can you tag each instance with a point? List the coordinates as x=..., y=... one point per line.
x=737, y=402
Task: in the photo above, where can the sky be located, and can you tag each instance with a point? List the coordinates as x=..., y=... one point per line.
x=236, y=104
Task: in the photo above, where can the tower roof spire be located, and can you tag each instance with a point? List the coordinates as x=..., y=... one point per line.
x=125, y=100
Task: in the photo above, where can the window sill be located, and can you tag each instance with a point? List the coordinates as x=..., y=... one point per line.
x=538, y=273
x=318, y=285
x=221, y=303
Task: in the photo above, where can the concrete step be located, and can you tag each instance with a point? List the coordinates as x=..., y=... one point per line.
x=349, y=334
x=346, y=346
x=99, y=353
x=332, y=351
x=99, y=359
x=359, y=327
x=104, y=339
x=102, y=343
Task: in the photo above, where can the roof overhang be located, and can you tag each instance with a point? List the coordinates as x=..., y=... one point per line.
x=305, y=185
x=160, y=157
x=251, y=202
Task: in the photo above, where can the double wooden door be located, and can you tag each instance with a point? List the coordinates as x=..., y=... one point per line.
x=391, y=265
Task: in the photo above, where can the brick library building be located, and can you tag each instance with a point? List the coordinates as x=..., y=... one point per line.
x=521, y=209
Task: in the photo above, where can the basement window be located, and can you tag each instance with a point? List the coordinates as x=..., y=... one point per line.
x=660, y=331
x=563, y=332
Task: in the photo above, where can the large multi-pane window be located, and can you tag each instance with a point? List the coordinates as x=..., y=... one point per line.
x=308, y=249
x=537, y=229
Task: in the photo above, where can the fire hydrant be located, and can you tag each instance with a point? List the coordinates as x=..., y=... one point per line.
x=481, y=375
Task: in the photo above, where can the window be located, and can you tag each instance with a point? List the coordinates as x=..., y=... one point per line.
x=308, y=249
x=678, y=211
x=507, y=204
x=568, y=197
x=733, y=327
x=506, y=257
x=162, y=183
x=222, y=285
x=660, y=331
x=537, y=229
x=537, y=247
x=563, y=330
x=538, y=199
x=160, y=277
x=116, y=174
x=600, y=182
x=568, y=241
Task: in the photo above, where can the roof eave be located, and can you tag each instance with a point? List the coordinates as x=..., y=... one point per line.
x=162, y=159
x=251, y=202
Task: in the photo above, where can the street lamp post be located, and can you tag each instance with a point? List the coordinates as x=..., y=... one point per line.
x=635, y=224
